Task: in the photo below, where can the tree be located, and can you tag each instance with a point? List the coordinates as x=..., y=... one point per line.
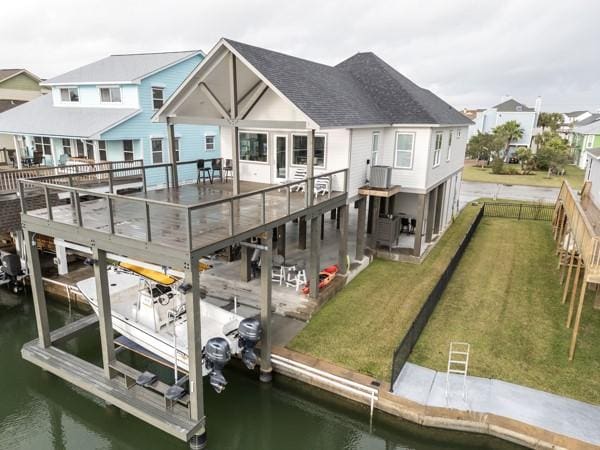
x=550, y=120
x=553, y=155
x=509, y=131
x=484, y=146
x=527, y=160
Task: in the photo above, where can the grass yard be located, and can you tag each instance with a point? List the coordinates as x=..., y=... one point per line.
x=574, y=175
x=504, y=299
x=361, y=327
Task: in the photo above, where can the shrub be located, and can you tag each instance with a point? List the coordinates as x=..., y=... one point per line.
x=497, y=166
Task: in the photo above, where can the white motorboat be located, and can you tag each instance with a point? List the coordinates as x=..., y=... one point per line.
x=148, y=308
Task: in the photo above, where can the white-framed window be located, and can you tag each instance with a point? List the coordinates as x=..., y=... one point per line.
x=89, y=149
x=66, y=145
x=590, y=141
x=157, y=150
x=300, y=150
x=69, y=94
x=42, y=144
x=127, y=150
x=102, y=150
x=375, y=148
x=209, y=142
x=176, y=148
x=253, y=146
x=449, y=150
x=80, y=149
x=158, y=97
x=437, y=149
x=403, y=150
x=110, y=94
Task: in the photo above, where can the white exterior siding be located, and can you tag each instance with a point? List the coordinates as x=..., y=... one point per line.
x=361, y=152
x=414, y=178
x=457, y=154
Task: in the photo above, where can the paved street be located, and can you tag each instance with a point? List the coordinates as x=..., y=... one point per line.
x=472, y=190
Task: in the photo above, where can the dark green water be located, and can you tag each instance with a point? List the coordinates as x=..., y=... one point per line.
x=40, y=411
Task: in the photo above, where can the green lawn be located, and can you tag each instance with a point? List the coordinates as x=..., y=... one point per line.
x=574, y=176
x=504, y=299
x=361, y=327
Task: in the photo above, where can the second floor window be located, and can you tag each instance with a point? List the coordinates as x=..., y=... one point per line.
x=42, y=145
x=66, y=144
x=69, y=94
x=102, y=150
x=375, y=148
x=110, y=94
x=157, y=151
x=437, y=149
x=403, y=157
x=128, y=150
x=449, y=152
x=158, y=97
x=300, y=150
x=209, y=144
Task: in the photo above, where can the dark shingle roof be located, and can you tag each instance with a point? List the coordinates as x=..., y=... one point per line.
x=363, y=90
x=574, y=113
x=7, y=73
x=593, y=118
x=512, y=105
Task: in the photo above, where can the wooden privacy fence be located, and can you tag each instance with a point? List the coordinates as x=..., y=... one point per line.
x=411, y=337
x=519, y=211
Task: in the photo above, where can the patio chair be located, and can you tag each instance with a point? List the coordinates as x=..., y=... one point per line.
x=404, y=225
x=278, y=270
x=296, y=277
x=203, y=171
x=38, y=159
x=62, y=159
x=299, y=175
x=217, y=166
x=228, y=169
x=321, y=186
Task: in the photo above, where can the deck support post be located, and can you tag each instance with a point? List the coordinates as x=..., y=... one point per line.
x=333, y=214
x=577, y=321
x=361, y=227
x=376, y=202
x=302, y=233
x=561, y=231
x=37, y=289
x=561, y=257
x=172, y=158
x=315, y=250
x=322, y=226
x=342, y=233
x=574, y=291
x=568, y=281
x=104, y=311
x=233, y=111
x=431, y=208
x=192, y=307
x=281, y=240
x=266, y=283
x=245, y=263
x=310, y=167
x=439, y=201
x=421, y=202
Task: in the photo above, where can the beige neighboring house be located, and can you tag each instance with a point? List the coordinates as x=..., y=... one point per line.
x=17, y=86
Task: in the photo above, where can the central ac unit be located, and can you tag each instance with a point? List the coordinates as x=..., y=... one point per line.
x=381, y=176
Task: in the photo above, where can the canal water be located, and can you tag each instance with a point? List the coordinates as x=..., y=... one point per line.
x=40, y=411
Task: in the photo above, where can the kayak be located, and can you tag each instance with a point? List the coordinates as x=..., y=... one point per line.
x=326, y=276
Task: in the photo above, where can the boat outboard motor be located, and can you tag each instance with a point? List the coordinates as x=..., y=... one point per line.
x=217, y=354
x=249, y=331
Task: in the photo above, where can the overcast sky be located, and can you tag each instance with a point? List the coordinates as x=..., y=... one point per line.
x=469, y=52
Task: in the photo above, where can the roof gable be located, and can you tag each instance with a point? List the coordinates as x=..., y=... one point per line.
x=6, y=74
x=122, y=68
x=363, y=90
x=511, y=105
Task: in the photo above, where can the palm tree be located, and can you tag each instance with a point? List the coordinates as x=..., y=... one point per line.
x=509, y=131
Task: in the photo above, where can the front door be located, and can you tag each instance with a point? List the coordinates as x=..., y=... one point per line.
x=280, y=157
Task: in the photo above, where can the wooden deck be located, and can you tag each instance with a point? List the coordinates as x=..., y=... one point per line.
x=167, y=221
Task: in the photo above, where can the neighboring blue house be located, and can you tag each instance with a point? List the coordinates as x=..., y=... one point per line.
x=102, y=112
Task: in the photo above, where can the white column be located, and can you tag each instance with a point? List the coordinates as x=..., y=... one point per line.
x=53, y=152
x=61, y=258
x=96, y=151
x=18, y=152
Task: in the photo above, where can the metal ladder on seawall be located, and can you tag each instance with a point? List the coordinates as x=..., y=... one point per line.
x=458, y=363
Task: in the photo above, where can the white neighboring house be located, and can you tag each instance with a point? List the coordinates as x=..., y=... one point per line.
x=363, y=113
x=592, y=174
x=509, y=109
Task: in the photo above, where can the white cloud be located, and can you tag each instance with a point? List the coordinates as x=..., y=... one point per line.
x=469, y=52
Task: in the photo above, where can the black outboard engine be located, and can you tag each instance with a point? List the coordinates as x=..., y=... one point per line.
x=11, y=272
x=249, y=331
x=217, y=354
